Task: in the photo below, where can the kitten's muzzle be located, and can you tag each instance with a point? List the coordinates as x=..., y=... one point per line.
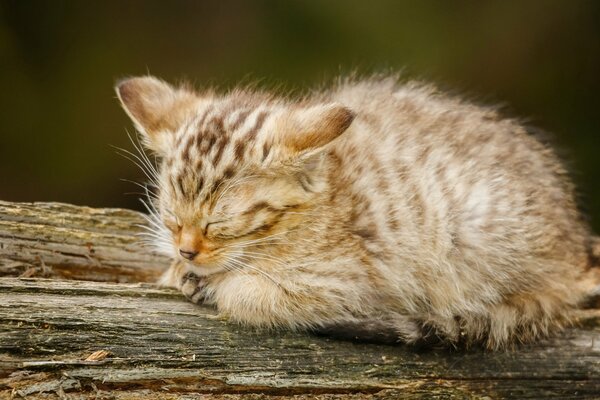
x=189, y=255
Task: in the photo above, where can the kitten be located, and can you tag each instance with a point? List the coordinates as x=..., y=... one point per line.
x=373, y=208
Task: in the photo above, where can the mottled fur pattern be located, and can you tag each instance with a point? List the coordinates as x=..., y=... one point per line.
x=370, y=204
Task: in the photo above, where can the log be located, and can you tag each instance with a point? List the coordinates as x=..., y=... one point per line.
x=157, y=343
x=104, y=340
x=65, y=241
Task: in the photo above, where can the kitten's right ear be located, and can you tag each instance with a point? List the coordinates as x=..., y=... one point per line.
x=156, y=108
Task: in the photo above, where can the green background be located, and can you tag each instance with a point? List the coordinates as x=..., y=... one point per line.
x=60, y=59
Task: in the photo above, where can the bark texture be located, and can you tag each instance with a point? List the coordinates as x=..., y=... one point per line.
x=66, y=241
x=104, y=340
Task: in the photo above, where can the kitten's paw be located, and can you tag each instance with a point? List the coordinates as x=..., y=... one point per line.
x=193, y=287
x=171, y=278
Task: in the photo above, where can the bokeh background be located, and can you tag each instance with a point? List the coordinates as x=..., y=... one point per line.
x=60, y=59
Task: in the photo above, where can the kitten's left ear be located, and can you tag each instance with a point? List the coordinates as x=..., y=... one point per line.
x=305, y=129
x=156, y=108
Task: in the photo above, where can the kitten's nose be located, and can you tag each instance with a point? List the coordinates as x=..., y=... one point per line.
x=188, y=254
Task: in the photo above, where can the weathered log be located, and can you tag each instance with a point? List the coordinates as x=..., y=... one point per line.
x=159, y=343
x=156, y=345
x=66, y=241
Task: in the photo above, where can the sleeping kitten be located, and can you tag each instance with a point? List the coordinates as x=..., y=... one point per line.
x=373, y=208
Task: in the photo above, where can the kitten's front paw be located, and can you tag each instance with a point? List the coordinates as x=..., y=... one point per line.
x=171, y=278
x=193, y=287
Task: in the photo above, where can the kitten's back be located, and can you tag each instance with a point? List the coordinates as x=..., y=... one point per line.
x=466, y=203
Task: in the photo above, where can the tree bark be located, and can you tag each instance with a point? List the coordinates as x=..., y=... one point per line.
x=65, y=241
x=81, y=339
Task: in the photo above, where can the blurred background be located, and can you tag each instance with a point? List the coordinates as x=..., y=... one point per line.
x=59, y=61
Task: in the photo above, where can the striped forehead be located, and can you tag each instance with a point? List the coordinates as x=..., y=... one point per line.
x=214, y=147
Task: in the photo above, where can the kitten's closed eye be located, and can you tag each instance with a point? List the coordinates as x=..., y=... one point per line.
x=210, y=227
x=257, y=219
x=172, y=223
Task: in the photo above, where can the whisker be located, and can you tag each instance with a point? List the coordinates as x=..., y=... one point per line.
x=252, y=241
x=141, y=185
x=260, y=256
x=232, y=267
x=140, y=149
x=127, y=154
x=240, y=263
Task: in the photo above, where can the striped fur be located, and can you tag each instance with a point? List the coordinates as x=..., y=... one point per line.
x=372, y=203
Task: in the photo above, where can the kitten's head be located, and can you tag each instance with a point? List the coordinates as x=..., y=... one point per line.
x=237, y=171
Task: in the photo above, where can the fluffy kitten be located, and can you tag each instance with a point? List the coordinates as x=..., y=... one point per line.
x=372, y=208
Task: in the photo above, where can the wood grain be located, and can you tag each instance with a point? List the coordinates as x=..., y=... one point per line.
x=160, y=343
x=66, y=241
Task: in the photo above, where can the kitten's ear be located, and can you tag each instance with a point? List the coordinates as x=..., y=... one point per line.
x=306, y=129
x=156, y=108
